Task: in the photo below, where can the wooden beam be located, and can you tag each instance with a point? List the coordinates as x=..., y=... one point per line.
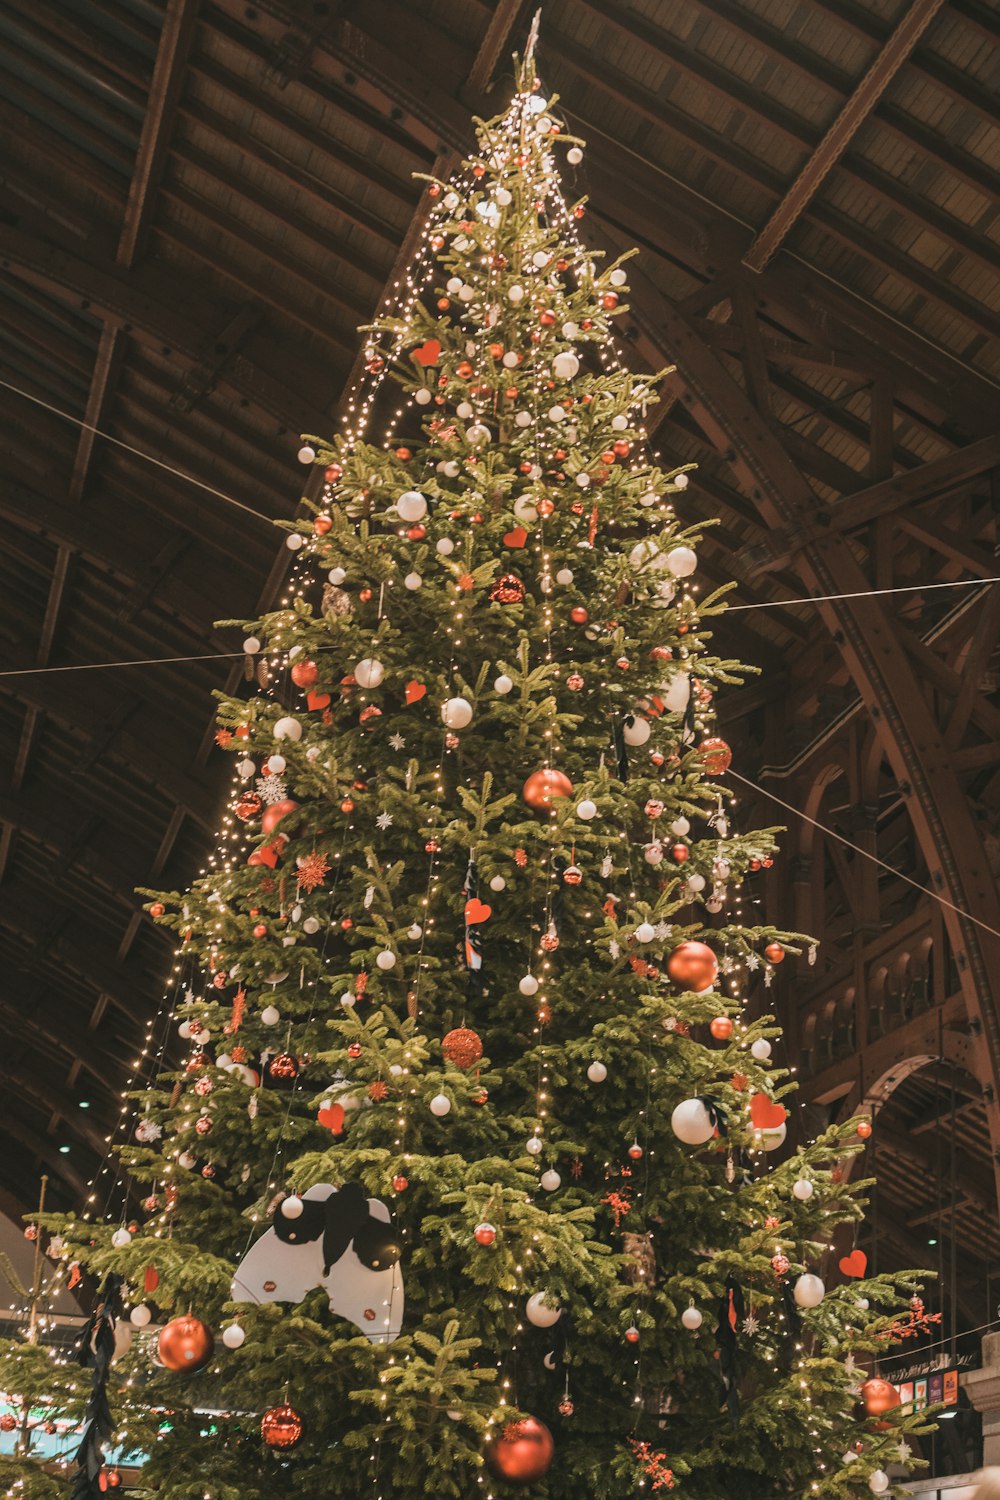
x=938, y=477
x=495, y=45
x=895, y=50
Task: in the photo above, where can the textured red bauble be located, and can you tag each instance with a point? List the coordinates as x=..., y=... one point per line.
x=284, y=1066
x=322, y=525
x=715, y=755
x=281, y=1427
x=304, y=673
x=508, y=589
x=462, y=1046
x=354, y=1050
x=247, y=807
x=774, y=953
x=522, y=1452
x=484, y=1233
x=879, y=1396
x=8, y=1422
x=185, y=1344
x=274, y=814
x=721, y=1028
x=157, y=909
x=541, y=786
x=693, y=965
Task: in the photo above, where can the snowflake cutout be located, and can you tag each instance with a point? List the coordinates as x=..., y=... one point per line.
x=272, y=789
x=383, y=821
x=663, y=931
x=727, y=964
x=904, y=1450
x=397, y=742
x=753, y=962
x=768, y=978
x=751, y=1324
x=313, y=870
x=811, y=954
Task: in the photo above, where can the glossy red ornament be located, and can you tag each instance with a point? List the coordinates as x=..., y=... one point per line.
x=522, y=1452
x=879, y=1396
x=304, y=673
x=609, y=300
x=484, y=1233
x=694, y=966
x=622, y=448
x=274, y=814
x=281, y=1427
x=332, y=473
x=545, y=507
x=417, y=532
x=774, y=953
x=157, y=909
x=260, y=930
x=114, y=1480
x=400, y=1183
x=632, y=1335
x=542, y=786
x=546, y=317
x=579, y=615
x=681, y=853
x=185, y=1343
x=322, y=525
x=462, y=1046
x=635, y=1151
x=721, y=1028
x=715, y=755
x=864, y=1129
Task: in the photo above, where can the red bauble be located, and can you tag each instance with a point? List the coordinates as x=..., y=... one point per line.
x=774, y=953
x=248, y=806
x=635, y=1151
x=484, y=1233
x=541, y=786
x=157, y=909
x=864, y=1129
x=274, y=814
x=508, y=589
x=574, y=682
x=322, y=525
x=879, y=1396
x=715, y=755
x=354, y=1050
x=114, y=1480
x=721, y=1028
x=260, y=930
x=609, y=300
x=579, y=615
x=680, y=853
x=572, y=875
x=283, y=1067
x=400, y=1183
x=304, y=673
x=185, y=1344
x=281, y=1427
x=7, y=1422
x=462, y=1046
x=522, y=1452
x=693, y=966
x=632, y=1335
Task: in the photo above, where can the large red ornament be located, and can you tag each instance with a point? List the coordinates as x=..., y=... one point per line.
x=542, y=786
x=185, y=1344
x=715, y=755
x=8, y=1422
x=522, y=1452
x=274, y=814
x=508, y=589
x=774, y=953
x=304, y=673
x=462, y=1046
x=693, y=966
x=281, y=1427
x=879, y=1396
x=721, y=1028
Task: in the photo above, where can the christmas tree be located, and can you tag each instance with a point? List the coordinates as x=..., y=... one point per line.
x=470, y=1159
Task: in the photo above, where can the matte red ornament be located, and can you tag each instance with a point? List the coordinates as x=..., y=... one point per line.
x=8, y=1422
x=274, y=814
x=304, y=673
x=462, y=1046
x=579, y=615
x=542, y=786
x=185, y=1343
x=484, y=1233
x=879, y=1396
x=855, y=1264
x=721, y=1028
x=247, y=807
x=694, y=966
x=522, y=1452
x=281, y=1427
x=400, y=1183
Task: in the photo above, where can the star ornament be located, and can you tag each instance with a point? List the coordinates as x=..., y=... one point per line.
x=751, y=1324
x=383, y=821
x=312, y=871
x=397, y=742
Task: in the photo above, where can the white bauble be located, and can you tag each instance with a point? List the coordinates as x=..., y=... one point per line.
x=477, y=434
x=649, y=498
x=233, y=1336
x=246, y=768
x=449, y=468
x=186, y=1160
x=863, y=1303
x=306, y=454
x=691, y=1318
x=454, y=283
x=618, y=277
x=570, y=330
x=185, y=1031
x=502, y=684
x=533, y=1145
x=681, y=827
x=695, y=883
x=386, y=959
x=583, y=480
x=414, y=932
x=653, y=853
x=564, y=577
x=140, y=1316
x=413, y=581
x=440, y=1105
x=525, y=510
x=288, y=729
x=619, y=423
x=497, y=883
x=270, y=1015
x=369, y=672
x=311, y=925
x=802, y=1189
x=681, y=481
x=586, y=810
x=528, y=985
x=337, y=575
x=638, y=732
x=515, y=293
x=251, y=645
x=465, y=410
x=760, y=1050
x=120, y=1239
x=511, y=360
x=878, y=1482
x=808, y=1291
x=457, y=713
x=412, y=506
x=645, y=932
x=445, y=546
x=291, y=1207
x=692, y=1123
x=556, y=413
x=275, y=765
x=574, y=156
x=565, y=365
x=773, y=1137
x=293, y=542
x=503, y=197
x=597, y=1072
x=550, y=1180
x=539, y=1313
x=677, y=695
x=682, y=561
x=465, y=292
x=422, y=396
x=523, y=419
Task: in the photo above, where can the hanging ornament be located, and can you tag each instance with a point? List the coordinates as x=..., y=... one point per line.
x=522, y=1453
x=597, y=1072
x=234, y=1336
x=185, y=1344
x=540, y=1311
x=715, y=755
x=457, y=713
x=774, y=953
x=411, y=506
x=281, y=1427
x=691, y=1319
x=693, y=1122
x=878, y=1482
x=369, y=672
x=879, y=1396
x=693, y=966
x=808, y=1290
x=462, y=1046
x=507, y=589
x=484, y=1233
x=802, y=1189
x=721, y=1028
x=542, y=786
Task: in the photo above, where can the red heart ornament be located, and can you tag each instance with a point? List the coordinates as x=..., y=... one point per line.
x=415, y=691
x=765, y=1114
x=855, y=1264
x=317, y=700
x=428, y=354
x=332, y=1116
x=477, y=911
x=151, y=1279
x=515, y=538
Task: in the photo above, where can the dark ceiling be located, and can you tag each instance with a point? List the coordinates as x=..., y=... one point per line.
x=200, y=203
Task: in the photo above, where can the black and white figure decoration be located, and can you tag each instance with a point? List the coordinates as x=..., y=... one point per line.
x=339, y=1240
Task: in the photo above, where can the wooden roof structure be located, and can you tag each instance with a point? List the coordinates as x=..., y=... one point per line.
x=200, y=200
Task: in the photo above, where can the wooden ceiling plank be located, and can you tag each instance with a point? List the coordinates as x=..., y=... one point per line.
x=984, y=642
x=937, y=477
x=496, y=44
x=950, y=544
